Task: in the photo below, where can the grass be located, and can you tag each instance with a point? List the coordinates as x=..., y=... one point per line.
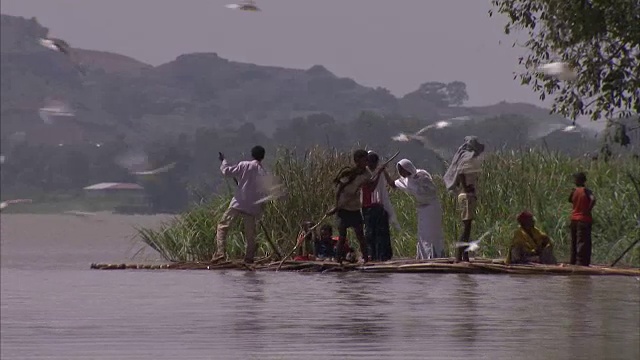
x=537, y=181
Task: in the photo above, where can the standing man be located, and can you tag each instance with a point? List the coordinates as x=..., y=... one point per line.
x=378, y=214
x=349, y=204
x=247, y=174
x=583, y=202
x=462, y=176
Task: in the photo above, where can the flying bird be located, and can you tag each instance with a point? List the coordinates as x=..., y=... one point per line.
x=58, y=45
x=271, y=187
x=418, y=135
x=245, y=6
x=54, y=109
x=558, y=70
x=473, y=245
x=79, y=213
x=63, y=47
x=155, y=171
x=4, y=204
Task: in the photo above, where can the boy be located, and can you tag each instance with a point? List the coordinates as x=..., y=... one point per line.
x=309, y=239
x=243, y=204
x=323, y=246
x=349, y=204
x=583, y=202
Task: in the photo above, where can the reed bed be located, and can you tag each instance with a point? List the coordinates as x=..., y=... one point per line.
x=538, y=181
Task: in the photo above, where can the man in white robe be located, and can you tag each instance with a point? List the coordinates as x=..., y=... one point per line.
x=419, y=184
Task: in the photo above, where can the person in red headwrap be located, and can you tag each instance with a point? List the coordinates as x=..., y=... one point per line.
x=529, y=244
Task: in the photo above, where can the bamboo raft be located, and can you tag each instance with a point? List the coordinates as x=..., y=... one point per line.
x=476, y=266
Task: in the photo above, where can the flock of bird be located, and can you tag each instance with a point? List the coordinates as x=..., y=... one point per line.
x=274, y=190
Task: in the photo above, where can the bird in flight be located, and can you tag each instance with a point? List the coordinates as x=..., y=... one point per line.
x=249, y=5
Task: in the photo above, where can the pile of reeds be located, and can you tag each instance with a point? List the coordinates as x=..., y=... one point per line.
x=511, y=182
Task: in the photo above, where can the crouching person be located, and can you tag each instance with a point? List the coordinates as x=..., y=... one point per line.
x=529, y=244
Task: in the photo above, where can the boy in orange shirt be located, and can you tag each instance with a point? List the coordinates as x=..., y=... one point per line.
x=583, y=202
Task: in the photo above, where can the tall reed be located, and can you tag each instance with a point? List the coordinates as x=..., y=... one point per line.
x=511, y=182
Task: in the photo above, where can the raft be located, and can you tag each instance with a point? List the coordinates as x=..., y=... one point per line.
x=442, y=266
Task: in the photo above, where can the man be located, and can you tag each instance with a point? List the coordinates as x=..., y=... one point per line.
x=378, y=213
x=349, y=204
x=462, y=176
x=247, y=174
x=583, y=202
x=418, y=183
x=529, y=244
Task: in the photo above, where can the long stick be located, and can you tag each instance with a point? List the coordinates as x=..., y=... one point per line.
x=271, y=243
x=303, y=236
x=624, y=253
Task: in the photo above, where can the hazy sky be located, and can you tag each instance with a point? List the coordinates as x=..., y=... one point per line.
x=396, y=44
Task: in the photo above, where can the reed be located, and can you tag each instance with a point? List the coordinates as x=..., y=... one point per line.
x=537, y=181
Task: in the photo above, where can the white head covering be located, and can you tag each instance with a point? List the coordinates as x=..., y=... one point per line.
x=419, y=183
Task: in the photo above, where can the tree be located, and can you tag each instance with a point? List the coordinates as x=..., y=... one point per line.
x=598, y=38
x=457, y=93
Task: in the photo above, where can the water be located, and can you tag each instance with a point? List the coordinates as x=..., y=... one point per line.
x=54, y=307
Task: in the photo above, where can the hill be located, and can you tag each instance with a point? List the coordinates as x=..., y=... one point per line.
x=122, y=95
x=190, y=108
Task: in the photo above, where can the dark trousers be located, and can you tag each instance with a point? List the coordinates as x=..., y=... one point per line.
x=580, y=243
x=377, y=233
x=350, y=219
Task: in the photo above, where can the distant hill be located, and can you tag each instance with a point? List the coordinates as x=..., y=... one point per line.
x=120, y=96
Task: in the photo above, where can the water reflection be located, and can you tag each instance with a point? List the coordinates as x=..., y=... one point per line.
x=249, y=308
x=465, y=326
x=361, y=312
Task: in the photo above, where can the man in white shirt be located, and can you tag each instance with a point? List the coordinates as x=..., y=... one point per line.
x=247, y=174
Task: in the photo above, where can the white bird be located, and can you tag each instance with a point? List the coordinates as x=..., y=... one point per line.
x=4, y=204
x=473, y=245
x=271, y=187
x=58, y=45
x=558, y=70
x=570, y=128
x=63, y=47
x=246, y=6
x=438, y=125
x=54, y=109
x=79, y=213
x=155, y=171
x=2, y=159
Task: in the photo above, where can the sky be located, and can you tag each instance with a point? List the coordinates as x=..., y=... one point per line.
x=396, y=44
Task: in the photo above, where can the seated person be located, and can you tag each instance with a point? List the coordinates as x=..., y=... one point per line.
x=529, y=244
x=304, y=242
x=348, y=250
x=323, y=245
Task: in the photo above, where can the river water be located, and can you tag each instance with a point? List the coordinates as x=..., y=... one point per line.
x=54, y=307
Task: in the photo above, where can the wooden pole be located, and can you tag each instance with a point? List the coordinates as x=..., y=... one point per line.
x=624, y=253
